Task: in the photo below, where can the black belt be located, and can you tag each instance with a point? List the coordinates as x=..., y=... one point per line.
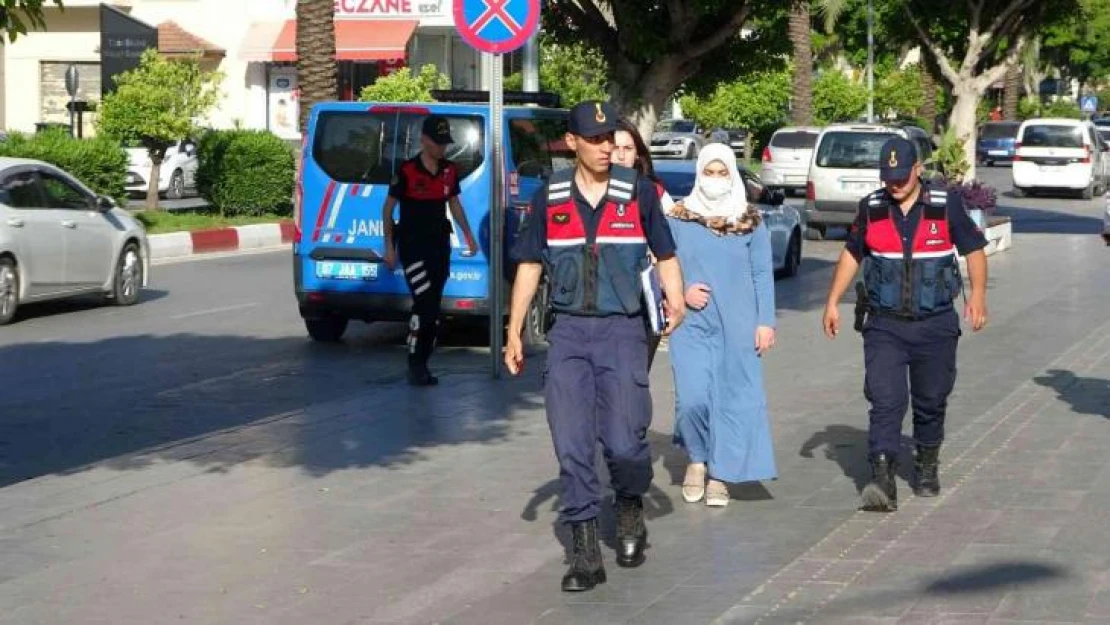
x=900, y=316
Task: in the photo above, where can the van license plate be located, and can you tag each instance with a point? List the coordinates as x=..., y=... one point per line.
x=860, y=187
x=346, y=271
x=997, y=152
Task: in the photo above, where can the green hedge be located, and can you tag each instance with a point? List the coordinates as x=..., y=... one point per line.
x=246, y=172
x=100, y=163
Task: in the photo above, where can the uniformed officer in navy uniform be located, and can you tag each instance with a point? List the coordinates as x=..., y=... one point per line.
x=425, y=186
x=591, y=228
x=907, y=236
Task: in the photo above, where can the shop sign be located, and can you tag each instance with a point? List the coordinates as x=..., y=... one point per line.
x=284, y=107
x=410, y=9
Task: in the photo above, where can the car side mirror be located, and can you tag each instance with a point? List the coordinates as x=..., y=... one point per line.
x=104, y=203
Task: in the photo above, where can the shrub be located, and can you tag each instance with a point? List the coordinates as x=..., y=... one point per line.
x=246, y=172
x=404, y=86
x=1062, y=108
x=976, y=195
x=100, y=163
x=950, y=158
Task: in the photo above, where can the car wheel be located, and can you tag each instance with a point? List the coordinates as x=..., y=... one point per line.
x=816, y=233
x=9, y=290
x=176, y=190
x=691, y=152
x=535, y=325
x=328, y=329
x=128, y=279
x=1019, y=192
x=1087, y=193
x=793, y=256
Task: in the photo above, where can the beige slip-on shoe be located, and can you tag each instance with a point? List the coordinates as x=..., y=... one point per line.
x=716, y=494
x=693, y=485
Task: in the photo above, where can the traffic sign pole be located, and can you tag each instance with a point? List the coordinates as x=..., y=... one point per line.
x=497, y=218
x=497, y=27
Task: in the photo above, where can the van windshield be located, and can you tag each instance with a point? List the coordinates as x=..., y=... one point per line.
x=794, y=139
x=368, y=147
x=851, y=150
x=1052, y=136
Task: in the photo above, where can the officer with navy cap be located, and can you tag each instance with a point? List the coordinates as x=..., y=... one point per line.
x=907, y=236
x=591, y=228
x=423, y=186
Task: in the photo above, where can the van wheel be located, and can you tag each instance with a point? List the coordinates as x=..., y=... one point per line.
x=1088, y=193
x=327, y=329
x=817, y=232
x=536, y=323
x=1019, y=192
x=9, y=290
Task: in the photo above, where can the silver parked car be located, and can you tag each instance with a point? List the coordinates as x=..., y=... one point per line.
x=58, y=239
x=677, y=138
x=782, y=220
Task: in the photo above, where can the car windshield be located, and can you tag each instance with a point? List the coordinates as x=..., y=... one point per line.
x=1052, y=136
x=675, y=125
x=851, y=150
x=794, y=140
x=999, y=131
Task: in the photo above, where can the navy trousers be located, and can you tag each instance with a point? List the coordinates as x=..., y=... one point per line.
x=596, y=389
x=427, y=265
x=909, y=362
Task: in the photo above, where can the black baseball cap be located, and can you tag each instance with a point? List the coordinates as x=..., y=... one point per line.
x=896, y=160
x=593, y=118
x=438, y=129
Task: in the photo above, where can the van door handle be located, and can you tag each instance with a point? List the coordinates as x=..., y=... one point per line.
x=15, y=222
x=69, y=224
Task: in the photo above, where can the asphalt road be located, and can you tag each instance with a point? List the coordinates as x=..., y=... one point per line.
x=218, y=342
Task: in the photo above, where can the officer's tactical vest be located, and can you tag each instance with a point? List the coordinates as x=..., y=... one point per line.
x=915, y=280
x=595, y=272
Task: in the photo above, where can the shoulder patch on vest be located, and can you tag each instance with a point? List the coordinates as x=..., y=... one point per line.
x=559, y=186
x=938, y=197
x=622, y=184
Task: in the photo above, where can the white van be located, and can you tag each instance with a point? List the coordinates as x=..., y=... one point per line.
x=787, y=155
x=1060, y=155
x=845, y=168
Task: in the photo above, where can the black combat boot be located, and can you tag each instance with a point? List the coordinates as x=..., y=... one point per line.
x=586, y=569
x=926, y=480
x=881, y=494
x=631, y=531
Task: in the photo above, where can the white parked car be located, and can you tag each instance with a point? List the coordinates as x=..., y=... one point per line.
x=177, y=174
x=845, y=167
x=787, y=155
x=1060, y=155
x=677, y=138
x=59, y=239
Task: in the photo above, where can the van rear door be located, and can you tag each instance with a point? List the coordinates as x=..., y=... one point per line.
x=354, y=153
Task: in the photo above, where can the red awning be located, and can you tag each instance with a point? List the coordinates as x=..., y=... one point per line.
x=355, y=40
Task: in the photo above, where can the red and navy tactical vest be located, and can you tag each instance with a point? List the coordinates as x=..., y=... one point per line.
x=423, y=199
x=913, y=279
x=595, y=272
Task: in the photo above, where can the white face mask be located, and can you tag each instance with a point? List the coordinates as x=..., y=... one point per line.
x=716, y=188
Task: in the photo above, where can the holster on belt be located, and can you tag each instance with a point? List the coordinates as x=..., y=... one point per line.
x=861, y=307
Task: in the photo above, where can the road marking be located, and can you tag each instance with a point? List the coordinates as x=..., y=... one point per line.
x=192, y=258
x=213, y=311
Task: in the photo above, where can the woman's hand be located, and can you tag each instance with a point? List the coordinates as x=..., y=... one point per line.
x=697, y=296
x=764, y=339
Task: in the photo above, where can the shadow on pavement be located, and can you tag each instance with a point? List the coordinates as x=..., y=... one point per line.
x=216, y=401
x=1036, y=220
x=81, y=303
x=1090, y=396
x=1000, y=577
x=847, y=446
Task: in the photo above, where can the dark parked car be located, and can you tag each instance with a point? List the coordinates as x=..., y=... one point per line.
x=997, y=142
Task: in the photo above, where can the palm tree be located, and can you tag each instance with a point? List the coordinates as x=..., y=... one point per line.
x=1011, y=93
x=316, y=67
x=801, y=36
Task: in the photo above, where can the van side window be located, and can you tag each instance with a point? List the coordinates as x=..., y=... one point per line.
x=368, y=148
x=538, y=146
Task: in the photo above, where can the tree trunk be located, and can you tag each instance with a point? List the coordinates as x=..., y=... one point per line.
x=647, y=97
x=929, y=86
x=316, y=67
x=152, y=195
x=963, y=121
x=1011, y=93
x=800, y=37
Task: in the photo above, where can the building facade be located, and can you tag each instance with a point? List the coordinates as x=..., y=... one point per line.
x=253, y=43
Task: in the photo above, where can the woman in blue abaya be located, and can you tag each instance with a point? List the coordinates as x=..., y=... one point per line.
x=720, y=407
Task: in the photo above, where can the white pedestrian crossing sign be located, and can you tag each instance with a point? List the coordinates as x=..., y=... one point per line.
x=1088, y=103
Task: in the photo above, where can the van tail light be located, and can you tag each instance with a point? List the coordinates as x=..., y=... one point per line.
x=766, y=154
x=811, y=191
x=1087, y=159
x=514, y=183
x=1017, y=148
x=298, y=194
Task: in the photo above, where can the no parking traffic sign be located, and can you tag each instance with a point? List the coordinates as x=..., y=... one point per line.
x=496, y=26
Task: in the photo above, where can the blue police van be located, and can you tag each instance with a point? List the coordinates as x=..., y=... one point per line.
x=349, y=157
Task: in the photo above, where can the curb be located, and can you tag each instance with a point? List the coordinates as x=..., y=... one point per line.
x=232, y=239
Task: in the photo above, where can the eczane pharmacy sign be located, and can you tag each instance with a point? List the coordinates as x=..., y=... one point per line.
x=423, y=10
